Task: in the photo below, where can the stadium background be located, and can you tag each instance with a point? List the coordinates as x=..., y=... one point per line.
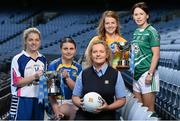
x=79, y=19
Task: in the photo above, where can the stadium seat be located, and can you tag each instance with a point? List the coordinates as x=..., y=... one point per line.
x=134, y=111
x=141, y=114
x=132, y=102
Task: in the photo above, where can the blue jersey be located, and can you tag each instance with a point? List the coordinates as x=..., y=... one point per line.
x=74, y=69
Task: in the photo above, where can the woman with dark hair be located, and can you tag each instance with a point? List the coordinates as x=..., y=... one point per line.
x=69, y=71
x=108, y=31
x=146, y=45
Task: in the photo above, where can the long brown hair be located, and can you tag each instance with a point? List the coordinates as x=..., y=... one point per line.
x=101, y=27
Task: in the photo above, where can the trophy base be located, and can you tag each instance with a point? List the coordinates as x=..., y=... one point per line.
x=122, y=68
x=123, y=62
x=122, y=65
x=53, y=94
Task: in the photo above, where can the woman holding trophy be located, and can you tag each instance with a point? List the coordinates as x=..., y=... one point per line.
x=26, y=69
x=108, y=30
x=68, y=70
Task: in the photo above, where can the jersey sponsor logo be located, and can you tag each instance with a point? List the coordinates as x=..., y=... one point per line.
x=113, y=46
x=36, y=68
x=136, y=48
x=74, y=73
x=106, y=82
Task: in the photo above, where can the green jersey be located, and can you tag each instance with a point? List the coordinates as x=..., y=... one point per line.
x=143, y=41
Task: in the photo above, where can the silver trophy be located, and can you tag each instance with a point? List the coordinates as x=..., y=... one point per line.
x=53, y=78
x=124, y=48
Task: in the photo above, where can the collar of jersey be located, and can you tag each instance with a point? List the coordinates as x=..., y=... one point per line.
x=103, y=68
x=26, y=54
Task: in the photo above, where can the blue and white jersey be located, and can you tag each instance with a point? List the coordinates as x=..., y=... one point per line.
x=23, y=66
x=74, y=69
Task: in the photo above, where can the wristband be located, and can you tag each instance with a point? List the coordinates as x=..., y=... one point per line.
x=149, y=73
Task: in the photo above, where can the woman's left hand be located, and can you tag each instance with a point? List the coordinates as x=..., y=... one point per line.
x=116, y=49
x=103, y=107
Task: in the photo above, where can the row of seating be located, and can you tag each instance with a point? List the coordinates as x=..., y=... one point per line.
x=63, y=25
x=170, y=59
x=16, y=16
x=168, y=99
x=11, y=30
x=12, y=23
x=170, y=47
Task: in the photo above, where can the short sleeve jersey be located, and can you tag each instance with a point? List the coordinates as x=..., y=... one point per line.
x=23, y=66
x=74, y=69
x=143, y=41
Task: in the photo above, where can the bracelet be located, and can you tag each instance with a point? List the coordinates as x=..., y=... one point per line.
x=149, y=73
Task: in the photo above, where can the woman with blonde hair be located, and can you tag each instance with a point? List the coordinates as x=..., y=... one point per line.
x=26, y=69
x=100, y=77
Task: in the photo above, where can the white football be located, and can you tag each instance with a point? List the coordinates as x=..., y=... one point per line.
x=92, y=101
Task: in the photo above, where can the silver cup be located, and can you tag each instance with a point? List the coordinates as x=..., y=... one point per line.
x=53, y=83
x=123, y=47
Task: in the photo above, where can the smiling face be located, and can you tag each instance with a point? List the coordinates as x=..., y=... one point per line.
x=110, y=25
x=140, y=17
x=99, y=54
x=32, y=42
x=68, y=51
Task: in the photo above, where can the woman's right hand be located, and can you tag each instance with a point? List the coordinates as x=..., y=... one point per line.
x=103, y=107
x=116, y=48
x=38, y=74
x=82, y=104
x=57, y=112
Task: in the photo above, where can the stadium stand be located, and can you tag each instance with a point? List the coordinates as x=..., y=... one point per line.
x=167, y=100
x=170, y=59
